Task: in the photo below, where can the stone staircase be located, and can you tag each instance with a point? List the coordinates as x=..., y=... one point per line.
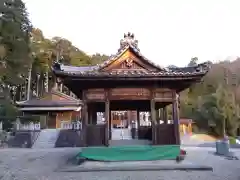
x=46, y=139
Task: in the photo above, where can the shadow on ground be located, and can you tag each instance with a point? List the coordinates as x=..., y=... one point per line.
x=209, y=144
x=187, y=141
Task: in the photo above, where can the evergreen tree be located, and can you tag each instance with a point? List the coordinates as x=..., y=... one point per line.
x=15, y=55
x=219, y=111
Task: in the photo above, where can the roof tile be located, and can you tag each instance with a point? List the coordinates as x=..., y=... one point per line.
x=129, y=43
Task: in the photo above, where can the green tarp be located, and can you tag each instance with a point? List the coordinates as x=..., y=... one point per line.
x=131, y=153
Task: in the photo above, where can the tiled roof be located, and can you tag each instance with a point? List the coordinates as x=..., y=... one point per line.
x=78, y=68
x=47, y=103
x=130, y=43
x=41, y=102
x=198, y=70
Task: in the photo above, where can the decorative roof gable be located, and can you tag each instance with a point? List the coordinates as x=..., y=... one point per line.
x=129, y=57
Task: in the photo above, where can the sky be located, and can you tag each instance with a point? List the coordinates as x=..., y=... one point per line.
x=168, y=31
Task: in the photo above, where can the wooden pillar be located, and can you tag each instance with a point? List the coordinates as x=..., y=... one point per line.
x=107, y=119
x=138, y=123
x=86, y=114
x=158, y=115
x=129, y=117
x=84, y=119
x=153, y=118
x=176, y=120
x=138, y=118
x=90, y=115
x=94, y=116
x=165, y=115
x=161, y=115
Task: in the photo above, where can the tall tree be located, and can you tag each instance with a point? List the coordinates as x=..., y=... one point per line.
x=220, y=111
x=15, y=56
x=14, y=43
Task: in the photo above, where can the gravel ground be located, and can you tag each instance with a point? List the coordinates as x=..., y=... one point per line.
x=32, y=164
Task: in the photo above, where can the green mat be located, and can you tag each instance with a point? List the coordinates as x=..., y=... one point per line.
x=131, y=153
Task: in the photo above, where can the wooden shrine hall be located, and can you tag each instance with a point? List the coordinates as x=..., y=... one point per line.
x=129, y=81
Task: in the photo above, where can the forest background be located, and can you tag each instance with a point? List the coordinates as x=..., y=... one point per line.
x=27, y=56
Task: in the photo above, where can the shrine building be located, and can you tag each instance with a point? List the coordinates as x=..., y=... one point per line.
x=128, y=81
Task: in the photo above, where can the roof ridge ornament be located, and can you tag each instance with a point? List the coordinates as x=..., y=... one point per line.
x=128, y=40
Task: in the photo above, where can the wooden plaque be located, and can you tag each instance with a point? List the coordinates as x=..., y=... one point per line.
x=130, y=94
x=163, y=94
x=95, y=94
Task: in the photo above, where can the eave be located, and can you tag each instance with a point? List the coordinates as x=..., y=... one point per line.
x=73, y=108
x=130, y=76
x=48, y=103
x=197, y=71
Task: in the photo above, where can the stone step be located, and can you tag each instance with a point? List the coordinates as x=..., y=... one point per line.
x=46, y=139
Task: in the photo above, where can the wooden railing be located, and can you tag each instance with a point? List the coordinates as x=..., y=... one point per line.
x=36, y=126
x=28, y=126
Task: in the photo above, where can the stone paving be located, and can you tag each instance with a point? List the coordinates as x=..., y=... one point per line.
x=33, y=164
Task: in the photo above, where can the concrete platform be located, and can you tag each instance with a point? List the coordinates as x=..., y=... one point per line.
x=95, y=166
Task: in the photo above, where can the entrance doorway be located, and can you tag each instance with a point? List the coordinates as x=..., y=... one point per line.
x=120, y=126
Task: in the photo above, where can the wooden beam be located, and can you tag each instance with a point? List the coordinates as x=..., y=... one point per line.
x=163, y=99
